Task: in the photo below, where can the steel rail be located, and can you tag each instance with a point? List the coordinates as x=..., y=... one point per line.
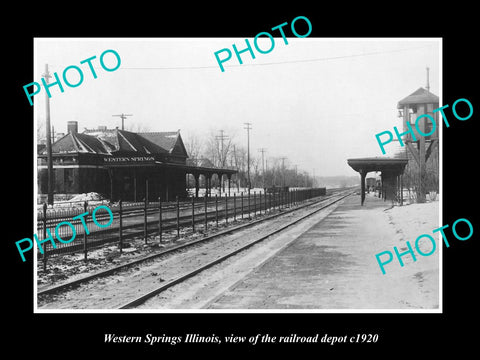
x=103, y=273
x=98, y=238
x=179, y=279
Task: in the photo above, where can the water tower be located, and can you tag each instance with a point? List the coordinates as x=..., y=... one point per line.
x=420, y=147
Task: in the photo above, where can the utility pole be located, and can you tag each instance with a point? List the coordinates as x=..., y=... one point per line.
x=236, y=167
x=263, y=150
x=49, y=143
x=123, y=116
x=266, y=164
x=313, y=180
x=223, y=157
x=283, y=170
x=428, y=79
x=248, y=127
x=296, y=180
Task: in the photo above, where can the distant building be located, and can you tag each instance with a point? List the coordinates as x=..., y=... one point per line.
x=370, y=181
x=121, y=164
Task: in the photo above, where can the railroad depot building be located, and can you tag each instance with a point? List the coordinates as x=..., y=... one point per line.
x=122, y=165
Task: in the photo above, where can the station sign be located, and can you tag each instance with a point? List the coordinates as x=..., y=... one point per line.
x=128, y=159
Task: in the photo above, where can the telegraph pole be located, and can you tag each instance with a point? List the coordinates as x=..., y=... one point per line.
x=266, y=165
x=428, y=79
x=236, y=167
x=296, y=180
x=49, y=143
x=123, y=116
x=263, y=150
x=283, y=169
x=248, y=127
x=222, y=137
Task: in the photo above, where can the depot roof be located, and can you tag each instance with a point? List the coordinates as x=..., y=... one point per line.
x=109, y=142
x=378, y=164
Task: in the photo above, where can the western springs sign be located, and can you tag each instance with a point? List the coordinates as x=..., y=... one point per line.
x=128, y=159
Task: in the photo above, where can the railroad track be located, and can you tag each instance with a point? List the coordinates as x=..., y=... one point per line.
x=317, y=206
x=145, y=221
x=141, y=299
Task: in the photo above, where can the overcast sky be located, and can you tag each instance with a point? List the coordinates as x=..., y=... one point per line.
x=316, y=113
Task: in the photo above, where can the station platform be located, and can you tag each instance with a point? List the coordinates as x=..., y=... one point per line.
x=333, y=266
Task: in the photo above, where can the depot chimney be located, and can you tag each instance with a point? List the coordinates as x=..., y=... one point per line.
x=72, y=127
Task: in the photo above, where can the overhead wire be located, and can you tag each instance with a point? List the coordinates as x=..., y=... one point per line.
x=275, y=63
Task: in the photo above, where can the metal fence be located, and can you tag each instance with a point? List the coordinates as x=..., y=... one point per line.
x=87, y=224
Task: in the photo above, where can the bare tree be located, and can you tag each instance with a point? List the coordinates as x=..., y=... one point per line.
x=217, y=150
x=225, y=152
x=193, y=146
x=137, y=127
x=210, y=146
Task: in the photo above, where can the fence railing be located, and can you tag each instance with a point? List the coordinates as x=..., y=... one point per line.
x=149, y=218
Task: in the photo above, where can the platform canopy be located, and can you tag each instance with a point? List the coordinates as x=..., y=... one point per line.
x=389, y=167
x=378, y=164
